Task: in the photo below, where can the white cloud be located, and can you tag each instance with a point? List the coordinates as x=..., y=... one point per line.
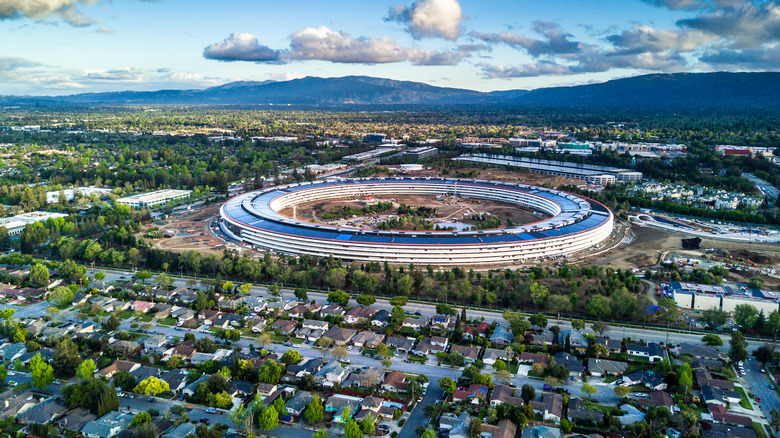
x=39, y=9
x=240, y=46
x=286, y=76
x=430, y=18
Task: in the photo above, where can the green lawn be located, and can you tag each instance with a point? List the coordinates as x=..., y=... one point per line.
x=760, y=431
x=615, y=411
x=279, y=339
x=611, y=379
x=415, y=358
x=169, y=321
x=125, y=314
x=296, y=341
x=745, y=403
x=147, y=318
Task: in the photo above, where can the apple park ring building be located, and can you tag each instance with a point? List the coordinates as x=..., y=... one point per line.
x=575, y=223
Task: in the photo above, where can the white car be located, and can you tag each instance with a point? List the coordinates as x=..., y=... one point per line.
x=211, y=411
x=350, y=348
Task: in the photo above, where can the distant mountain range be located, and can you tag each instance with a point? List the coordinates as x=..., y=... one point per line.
x=655, y=91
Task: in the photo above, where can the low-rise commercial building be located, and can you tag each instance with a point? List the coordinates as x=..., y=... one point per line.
x=153, y=199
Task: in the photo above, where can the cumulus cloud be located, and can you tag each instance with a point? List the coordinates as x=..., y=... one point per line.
x=430, y=18
x=123, y=75
x=39, y=9
x=747, y=59
x=8, y=63
x=642, y=39
x=745, y=26
x=327, y=45
x=555, y=40
x=240, y=46
x=324, y=44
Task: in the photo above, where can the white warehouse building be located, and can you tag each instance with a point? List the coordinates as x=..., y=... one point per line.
x=153, y=199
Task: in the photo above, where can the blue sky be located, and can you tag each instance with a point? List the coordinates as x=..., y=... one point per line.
x=53, y=47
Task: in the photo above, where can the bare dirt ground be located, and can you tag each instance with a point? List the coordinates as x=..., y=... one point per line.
x=494, y=174
x=451, y=208
x=191, y=232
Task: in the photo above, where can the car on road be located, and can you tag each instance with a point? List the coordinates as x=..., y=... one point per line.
x=57, y=382
x=758, y=399
x=205, y=420
x=377, y=357
x=211, y=411
x=350, y=348
x=287, y=344
x=151, y=399
x=296, y=345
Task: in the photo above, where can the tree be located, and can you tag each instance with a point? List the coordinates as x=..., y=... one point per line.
x=764, y=354
x=3, y=373
x=352, y=430
x=399, y=301
x=566, y=425
x=598, y=306
x=39, y=274
x=111, y=323
x=320, y=433
x=338, y=297
x=685, y=379
x=66, y=358
x=339, y=353
x=429, y=433
x=503, y=376
x=527, y=393
x=588, y=389
x=140, y=418
x=264, y=340
x=269, y=419
x=745, y=316
x=164, y=280
x=142, y=276
x=365, y=300
x=397, y=317
x=774, y=420
x=600, y=327
x=152, y=386
x=281, y=409
x=61, y=295
x=368, y=424
x=577, y=324
x=714, y=318
x=538, y=293
x=301, y=294
x=622, y=391
x=499, y=365
x=291, y=357
x=445, y=309
x=738, y=347
x=538, y=320
x=42, y=372
x=147, y=430
x=447, y=385
x=712, y=340
x=86, y=370
x=315, y=412
x=124, y=380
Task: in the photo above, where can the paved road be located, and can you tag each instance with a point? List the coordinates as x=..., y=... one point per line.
x=417, y=417
x=759, y=385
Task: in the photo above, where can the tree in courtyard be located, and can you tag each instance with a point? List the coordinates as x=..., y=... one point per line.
x=527, y=393
x=315, y=412
x=352, y=430
x=152, y=386
x=42, y=372
x=269, y=419
x=86, y=370
x=140, y=418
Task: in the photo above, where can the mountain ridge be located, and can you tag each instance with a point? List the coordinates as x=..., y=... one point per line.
x=676, y=90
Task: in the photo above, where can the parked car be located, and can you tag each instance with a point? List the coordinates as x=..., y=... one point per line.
x=205, y=420
x=287, y=344
x=151, y=399
x=211, y=411
x=350, y=348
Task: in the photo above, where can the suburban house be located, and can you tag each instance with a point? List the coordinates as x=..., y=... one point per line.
x=541, y=432
x=578, y=411
x=332, y=310
x=381, y=319
x=475, y=392
x=652, y=351
x=504, y=429
x=395, y=381
x=551, y=406
x=501, y=336
x=368, y=339
x=118, y=365
x=576, y=340
x=470, y=353
x=331, y=374
x=108, y=425
x=358, y=315
x=340, y=335
x=298, y=403
x=504, y=394
x=612, y=345
x=532, y=358
x=650, y=379
x=574, y=365
x=723, y=416
x=141, y=306
x=284, y=326
x=705, y=378
x=155, y=344
x=605, y=367
x=491, y=355
x=714, y=395
x=401, y=344
x=657, y=399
